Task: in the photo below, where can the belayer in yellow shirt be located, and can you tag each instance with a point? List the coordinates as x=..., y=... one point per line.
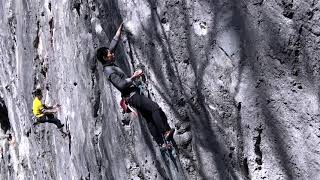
x=44, y=113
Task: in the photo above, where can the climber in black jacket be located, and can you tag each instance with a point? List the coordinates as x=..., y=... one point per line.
x=129, y=90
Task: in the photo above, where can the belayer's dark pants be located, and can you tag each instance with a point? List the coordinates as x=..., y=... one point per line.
x=151, y=111
x=50, y=119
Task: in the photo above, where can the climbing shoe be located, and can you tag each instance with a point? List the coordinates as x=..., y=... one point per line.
x=60, y=127
x=35, y=123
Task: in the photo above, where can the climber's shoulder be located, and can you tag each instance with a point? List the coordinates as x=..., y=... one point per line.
x=108, y=70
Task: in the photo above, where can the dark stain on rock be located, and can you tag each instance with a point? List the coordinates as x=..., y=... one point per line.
x=257, y=144
x=231, y=151
x=51, y=25
x=186, y=61
x=36, y=40
x=96, y=105
x=28, y=132
x=86, y=17
x=44, y=71
x=93, y=8
x=4, y=118
x=48, y=87
x=164, y=20
x=246, y=167
x=288, y=8
x=310, y=14
x=258, y=2
x=69, y=137
x=49, y=6
x=181, y=102
x=77, y=6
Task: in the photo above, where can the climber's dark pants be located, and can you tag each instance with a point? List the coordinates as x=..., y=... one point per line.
x=150, y=111
x=50, y=119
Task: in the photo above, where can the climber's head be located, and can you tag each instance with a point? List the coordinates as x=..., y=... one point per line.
x=105, y=56
x=38, y=93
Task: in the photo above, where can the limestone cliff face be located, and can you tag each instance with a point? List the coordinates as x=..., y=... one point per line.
x=239, y=79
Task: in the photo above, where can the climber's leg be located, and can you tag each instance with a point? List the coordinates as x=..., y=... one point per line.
x=144, y=104
x=55, y=121
x=50, y=119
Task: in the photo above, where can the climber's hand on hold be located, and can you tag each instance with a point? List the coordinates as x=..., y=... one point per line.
x=137, y=74
x=49, y=111
x=118, y=34
x=57, y=106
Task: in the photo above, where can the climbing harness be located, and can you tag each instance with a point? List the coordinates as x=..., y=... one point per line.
x=141, y=89
x=126, y=108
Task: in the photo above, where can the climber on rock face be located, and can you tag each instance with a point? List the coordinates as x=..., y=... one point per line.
x=149, y=109
x=44, y=113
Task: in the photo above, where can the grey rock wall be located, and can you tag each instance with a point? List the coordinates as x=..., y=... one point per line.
x=239, y=80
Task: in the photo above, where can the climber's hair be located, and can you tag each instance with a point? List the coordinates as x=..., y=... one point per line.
x=37, y=92
x=102, y=52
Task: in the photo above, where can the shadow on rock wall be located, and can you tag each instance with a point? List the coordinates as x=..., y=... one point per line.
x=156, y=41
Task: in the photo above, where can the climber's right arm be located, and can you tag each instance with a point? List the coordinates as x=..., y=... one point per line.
x=115, y=39
x=120, y=83
x=49, y=111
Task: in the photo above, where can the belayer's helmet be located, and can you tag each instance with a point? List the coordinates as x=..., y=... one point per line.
x=102, y=52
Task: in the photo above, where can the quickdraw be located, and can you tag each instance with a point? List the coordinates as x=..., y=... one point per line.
x=126, y=108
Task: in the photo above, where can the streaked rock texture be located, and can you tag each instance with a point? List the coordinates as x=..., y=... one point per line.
x=238, y=79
